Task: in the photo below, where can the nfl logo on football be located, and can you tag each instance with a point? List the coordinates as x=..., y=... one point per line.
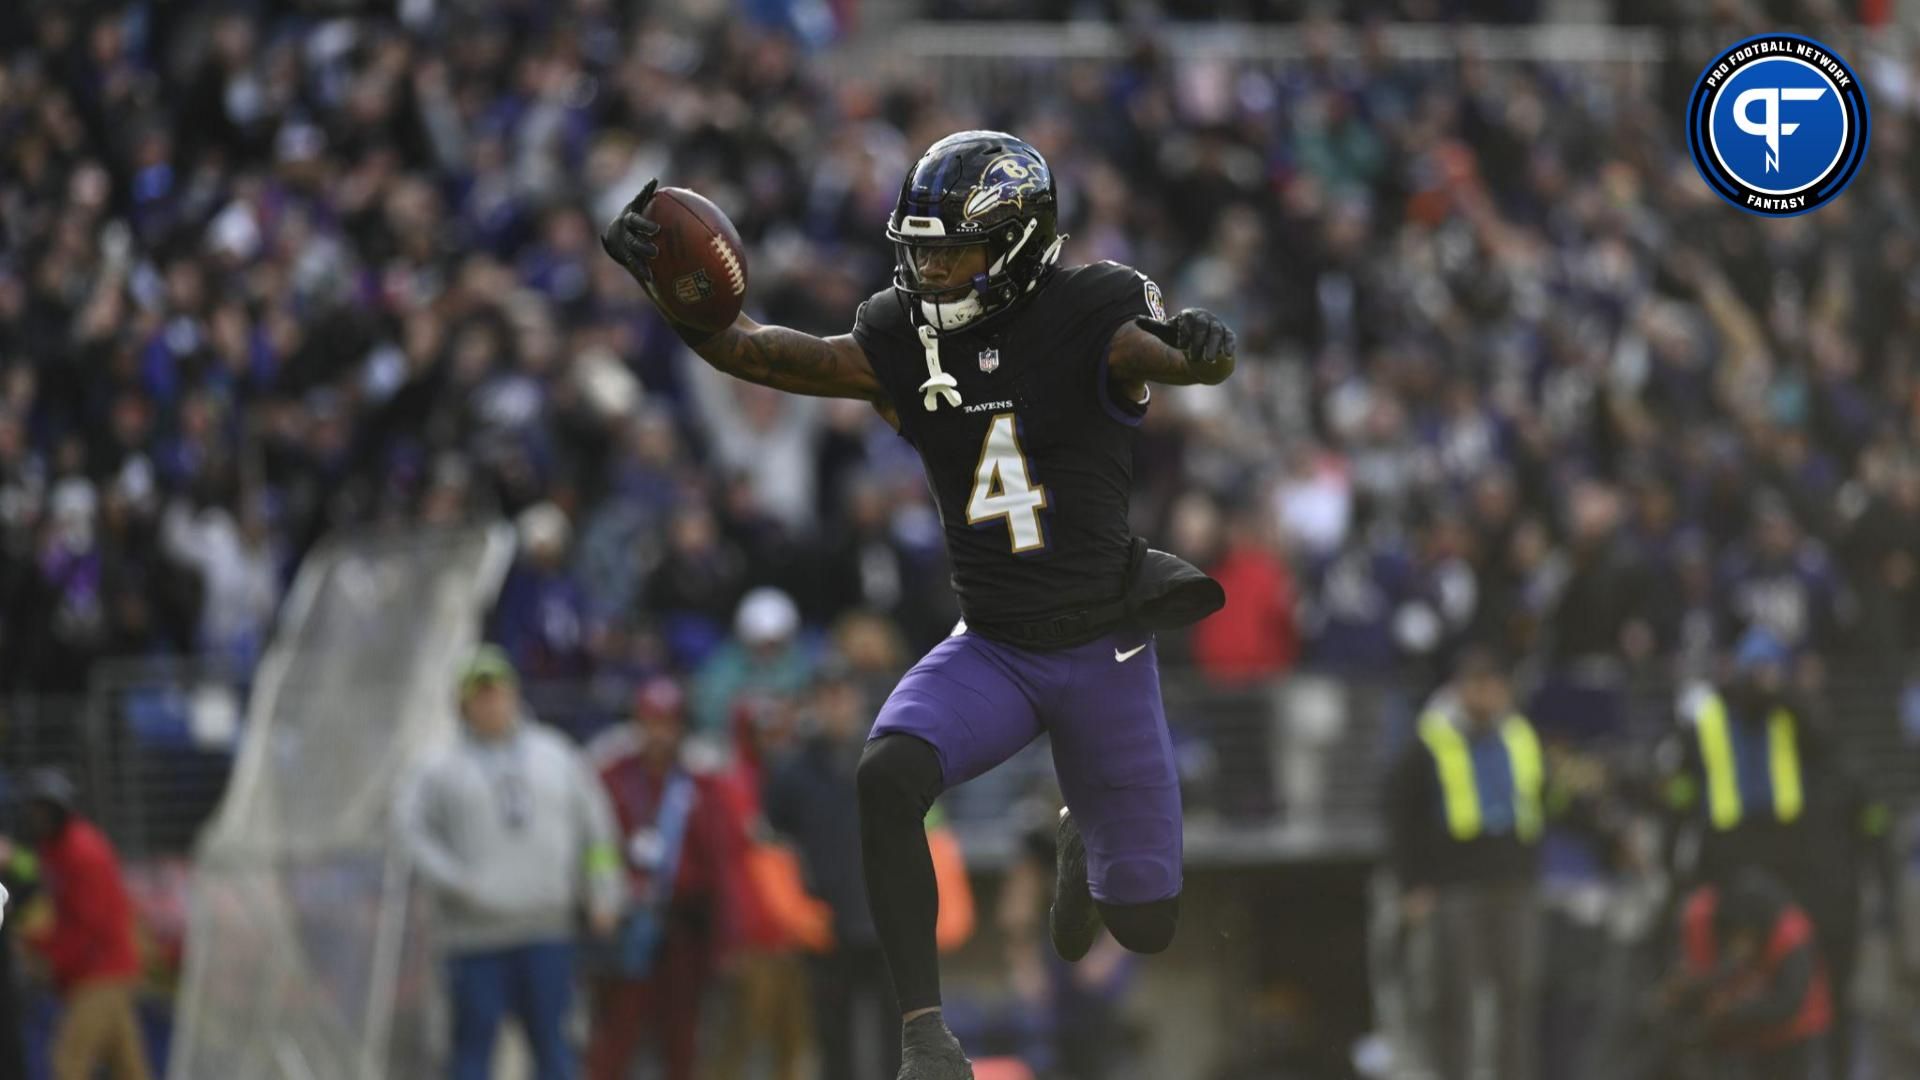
x=989, y=359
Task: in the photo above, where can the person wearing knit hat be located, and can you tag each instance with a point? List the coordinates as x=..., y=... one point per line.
x=513, y=839
x=90, y=944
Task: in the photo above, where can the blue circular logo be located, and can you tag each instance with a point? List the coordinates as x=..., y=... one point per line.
x=1778, y=125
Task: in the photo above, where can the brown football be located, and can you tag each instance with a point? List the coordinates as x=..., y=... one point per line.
x=700, y=275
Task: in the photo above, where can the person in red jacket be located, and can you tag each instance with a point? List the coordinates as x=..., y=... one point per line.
x=89, y=943
x=1752, y=986
x=680, y=839
x=1254, y=636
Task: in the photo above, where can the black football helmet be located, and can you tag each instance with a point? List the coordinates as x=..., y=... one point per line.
x=974, y=188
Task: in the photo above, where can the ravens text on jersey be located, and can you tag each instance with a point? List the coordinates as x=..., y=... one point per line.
x=1032, y=470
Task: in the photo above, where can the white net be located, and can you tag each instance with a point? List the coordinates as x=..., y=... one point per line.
x=305, y=959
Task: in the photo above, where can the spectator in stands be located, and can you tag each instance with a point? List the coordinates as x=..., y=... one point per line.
x=19, y=884
x=68, y=586
x=1254, y=636
x=766, y=435
x=1745, y=754
x=882, y=559
x=1850, y=828
x=514, y=838
x=696, y=586
x=1764, y=788
x=1781, y=582
x=810, y=798
x=238, y=571
x=1751, y=984
x=541, y=618
x=765, y=656
x=681, y=841
x=89, y=943
x=1353, y=597
x=768, y=998
x=1880, y=546
x=812, y=802
x=1464, y=816
x=1597, y=615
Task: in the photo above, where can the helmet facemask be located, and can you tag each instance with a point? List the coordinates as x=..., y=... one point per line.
x=948, y=278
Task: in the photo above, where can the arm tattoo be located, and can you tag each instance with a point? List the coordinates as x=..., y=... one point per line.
x=792, y=361
x=1136, y=356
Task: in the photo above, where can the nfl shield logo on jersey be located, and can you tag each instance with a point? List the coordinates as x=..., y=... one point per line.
x=989, y=359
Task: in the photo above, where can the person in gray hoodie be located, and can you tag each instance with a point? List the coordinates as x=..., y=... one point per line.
x=511, y=832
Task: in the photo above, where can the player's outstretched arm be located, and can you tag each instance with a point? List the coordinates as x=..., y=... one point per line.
x=1194, y=346
x=769, y=355
x=790, y=360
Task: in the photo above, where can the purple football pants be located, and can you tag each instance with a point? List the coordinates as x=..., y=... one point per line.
x=978, y=702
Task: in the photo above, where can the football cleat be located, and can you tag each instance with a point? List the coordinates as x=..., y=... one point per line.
x=928, y=1051
x=1073, y=922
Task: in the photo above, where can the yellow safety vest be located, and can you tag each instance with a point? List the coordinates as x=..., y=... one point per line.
x=1460, y=792
x=1723, y=772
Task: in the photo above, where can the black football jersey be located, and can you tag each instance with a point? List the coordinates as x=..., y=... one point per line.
x=1033, y=470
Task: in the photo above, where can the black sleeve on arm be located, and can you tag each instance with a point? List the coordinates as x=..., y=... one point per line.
x=1108, y=296
x=880, y=328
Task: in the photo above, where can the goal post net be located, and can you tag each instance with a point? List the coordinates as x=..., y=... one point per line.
x=305, y=953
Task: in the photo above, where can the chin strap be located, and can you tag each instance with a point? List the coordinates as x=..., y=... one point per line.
x=939, y=384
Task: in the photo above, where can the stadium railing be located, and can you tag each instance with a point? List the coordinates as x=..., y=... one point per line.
x=1272, y=771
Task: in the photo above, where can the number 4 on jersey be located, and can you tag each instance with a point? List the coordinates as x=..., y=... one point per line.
x=1003, y=489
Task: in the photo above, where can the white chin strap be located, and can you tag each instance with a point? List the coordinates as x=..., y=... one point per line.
x=939, y=384
x=954, y=315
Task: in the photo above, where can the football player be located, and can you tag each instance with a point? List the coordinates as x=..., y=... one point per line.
x=1021, y=383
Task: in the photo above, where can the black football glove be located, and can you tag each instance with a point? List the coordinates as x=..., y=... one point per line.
x=1207, y=341
x=628, y=239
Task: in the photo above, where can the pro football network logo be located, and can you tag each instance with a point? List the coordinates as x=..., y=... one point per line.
x=1778, y=125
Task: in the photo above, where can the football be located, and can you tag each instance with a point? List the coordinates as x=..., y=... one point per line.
x=700, y=276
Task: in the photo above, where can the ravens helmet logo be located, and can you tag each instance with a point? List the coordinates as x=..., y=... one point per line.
x=1006, y=179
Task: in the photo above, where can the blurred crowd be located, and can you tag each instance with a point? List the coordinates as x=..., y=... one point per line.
x=1511, y=372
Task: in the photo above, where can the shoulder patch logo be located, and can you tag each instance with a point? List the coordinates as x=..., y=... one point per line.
x=989, y=360
x=1156, y=304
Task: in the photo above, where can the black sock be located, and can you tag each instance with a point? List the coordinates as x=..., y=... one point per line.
x=1142, y=928
x=899, y=778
